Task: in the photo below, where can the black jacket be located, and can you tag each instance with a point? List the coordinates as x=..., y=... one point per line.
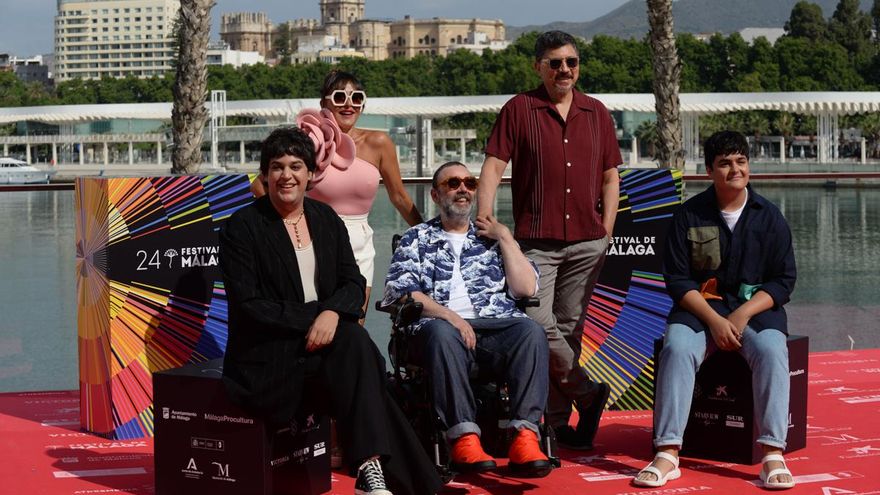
x=758, y=253
x=266, y=361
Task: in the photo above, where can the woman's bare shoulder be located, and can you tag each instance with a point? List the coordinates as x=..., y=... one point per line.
x=376, y=138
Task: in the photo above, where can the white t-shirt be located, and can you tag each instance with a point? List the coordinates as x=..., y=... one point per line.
x=459, y=301
x=731, y=217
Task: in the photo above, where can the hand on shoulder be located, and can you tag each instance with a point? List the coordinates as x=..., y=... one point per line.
x=489, y=226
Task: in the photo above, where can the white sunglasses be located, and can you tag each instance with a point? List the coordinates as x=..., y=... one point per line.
x=340, y=98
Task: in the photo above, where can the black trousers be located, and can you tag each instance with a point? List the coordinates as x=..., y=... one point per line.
x=352, y=373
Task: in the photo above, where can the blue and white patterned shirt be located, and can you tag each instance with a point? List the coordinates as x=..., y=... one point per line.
x=424, y=261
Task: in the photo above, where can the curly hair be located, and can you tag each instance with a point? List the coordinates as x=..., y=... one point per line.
x=287, y=141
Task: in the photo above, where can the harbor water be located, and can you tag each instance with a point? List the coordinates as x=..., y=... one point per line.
x=836, y=235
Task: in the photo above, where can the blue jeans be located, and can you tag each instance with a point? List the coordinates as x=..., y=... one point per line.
x=514, y=349
x=683, y=352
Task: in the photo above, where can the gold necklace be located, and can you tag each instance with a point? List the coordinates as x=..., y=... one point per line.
x=294, y=223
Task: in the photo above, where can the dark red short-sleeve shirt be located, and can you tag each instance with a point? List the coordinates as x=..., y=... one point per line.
x=557, y=164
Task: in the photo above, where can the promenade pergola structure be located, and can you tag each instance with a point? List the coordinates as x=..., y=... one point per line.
x=828, y=107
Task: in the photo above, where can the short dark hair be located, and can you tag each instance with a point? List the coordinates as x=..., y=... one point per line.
x=434, y=183
x=287, y=141
x=724, y=143
x=337, y=79
x=552, y=40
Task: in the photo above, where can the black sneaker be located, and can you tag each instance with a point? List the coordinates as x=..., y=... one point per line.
x=370, y=480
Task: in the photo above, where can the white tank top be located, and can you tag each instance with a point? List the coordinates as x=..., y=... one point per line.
x=305, y=258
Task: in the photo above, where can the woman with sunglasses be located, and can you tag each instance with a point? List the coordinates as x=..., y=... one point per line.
x=350, y=187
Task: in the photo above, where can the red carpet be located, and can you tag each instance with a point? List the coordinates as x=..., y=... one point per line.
x=43, y=452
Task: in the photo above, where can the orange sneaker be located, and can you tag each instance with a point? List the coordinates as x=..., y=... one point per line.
x=525, y=455
x=468, y=455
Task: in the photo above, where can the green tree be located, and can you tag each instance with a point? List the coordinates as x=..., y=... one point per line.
x=807, y=21
x=75, y=92
x=756, y=123
x=525, y=44
x=15, y=93
x=729, y=59
x=783, y=124
x=695, y=58
x=875, y=17
x=805, y=65
x=461, y=73
x=646, y=134
x=850, y=27
x=614, y=65
x=870, y=126
x=282, y=43
x=512, y=69
x=762, y=66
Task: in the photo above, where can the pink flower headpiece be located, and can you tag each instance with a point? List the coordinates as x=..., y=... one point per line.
x=332, y=146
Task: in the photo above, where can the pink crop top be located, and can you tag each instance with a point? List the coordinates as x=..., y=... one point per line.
x=350, y=191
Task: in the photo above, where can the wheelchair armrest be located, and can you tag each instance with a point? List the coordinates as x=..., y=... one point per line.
x=527, y=302
x=402, y=313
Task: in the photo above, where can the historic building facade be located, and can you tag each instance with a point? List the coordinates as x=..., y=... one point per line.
x=344, y=28
x=247, y=31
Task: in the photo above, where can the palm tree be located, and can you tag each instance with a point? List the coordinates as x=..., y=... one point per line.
x=188, y=114
x=667, y=78
x=871, y=130
x=646, y=133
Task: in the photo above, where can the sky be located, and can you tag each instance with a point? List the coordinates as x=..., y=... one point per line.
x=26, y=26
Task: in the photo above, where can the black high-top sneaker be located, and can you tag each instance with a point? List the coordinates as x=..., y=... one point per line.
x=370, y=480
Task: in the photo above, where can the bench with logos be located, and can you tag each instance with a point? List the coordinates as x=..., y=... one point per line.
x=206, y=444
x=721, y=423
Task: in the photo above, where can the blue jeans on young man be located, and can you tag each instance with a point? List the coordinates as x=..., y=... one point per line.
x=684, y=350
x=512, y=349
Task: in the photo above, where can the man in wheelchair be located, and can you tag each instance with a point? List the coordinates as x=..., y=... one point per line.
x=467, y=276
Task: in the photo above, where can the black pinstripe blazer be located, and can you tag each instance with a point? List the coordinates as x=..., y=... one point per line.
x=265, y=360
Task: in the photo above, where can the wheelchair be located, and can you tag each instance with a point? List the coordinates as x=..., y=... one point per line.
x=409, y=388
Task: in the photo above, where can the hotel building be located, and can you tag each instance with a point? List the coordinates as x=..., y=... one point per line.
x=116, y=38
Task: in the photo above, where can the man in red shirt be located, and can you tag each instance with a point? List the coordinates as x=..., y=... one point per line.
x=563, y=147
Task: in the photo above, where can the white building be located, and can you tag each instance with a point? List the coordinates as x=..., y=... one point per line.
x=752, y=33
x=8, y=61
x=314, y=43
x=477, y=41
x=116, y=38
x=326, y=48
x=34, y=69
x=219, y=53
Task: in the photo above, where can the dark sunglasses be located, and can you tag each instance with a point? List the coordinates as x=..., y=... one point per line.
x=339, y=98
x=556, y=63
x=454, y=183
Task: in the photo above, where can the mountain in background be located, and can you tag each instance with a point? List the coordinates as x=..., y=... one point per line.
x=630, y=20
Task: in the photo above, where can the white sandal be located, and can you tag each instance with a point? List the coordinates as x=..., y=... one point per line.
x=775, y=485
x=661, y=480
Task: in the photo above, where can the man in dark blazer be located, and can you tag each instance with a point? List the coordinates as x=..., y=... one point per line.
x=295, y=294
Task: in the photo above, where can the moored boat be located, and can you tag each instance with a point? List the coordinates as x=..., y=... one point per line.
x=13, y=171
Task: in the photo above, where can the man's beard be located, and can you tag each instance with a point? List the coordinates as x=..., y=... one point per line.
x=453, y=210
